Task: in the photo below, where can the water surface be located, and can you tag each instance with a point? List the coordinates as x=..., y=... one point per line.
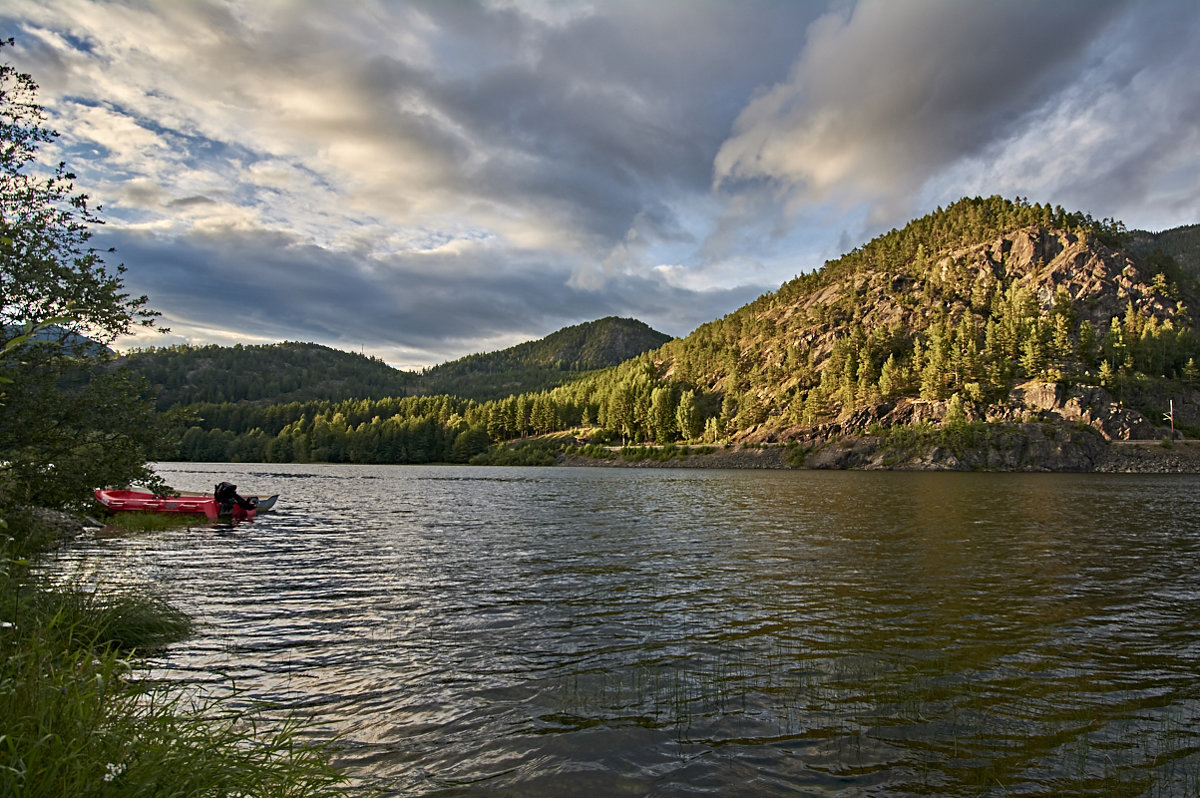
x=557, y=632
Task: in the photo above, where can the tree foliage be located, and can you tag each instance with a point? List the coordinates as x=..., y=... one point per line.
x=47, y=267
x=67, y=424
x=281, y=373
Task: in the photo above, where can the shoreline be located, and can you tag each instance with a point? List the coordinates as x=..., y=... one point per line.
x=1115, y=457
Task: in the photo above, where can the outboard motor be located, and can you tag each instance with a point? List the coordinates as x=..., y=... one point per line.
x=224, y=493
x=227, y=496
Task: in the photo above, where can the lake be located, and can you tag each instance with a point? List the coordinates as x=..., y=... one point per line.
x=669, y=632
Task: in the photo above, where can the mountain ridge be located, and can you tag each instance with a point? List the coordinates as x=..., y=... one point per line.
x=894, y=333
x=948, y=317
x=293, y=371
x=533, y=365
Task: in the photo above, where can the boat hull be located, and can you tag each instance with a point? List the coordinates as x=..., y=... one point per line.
x=133, y=501
x=265, y=503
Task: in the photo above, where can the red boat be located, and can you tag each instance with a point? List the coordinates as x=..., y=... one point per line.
x=136, y=501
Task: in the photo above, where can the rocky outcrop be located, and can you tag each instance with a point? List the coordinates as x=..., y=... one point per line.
x=1042, y=427
x=1008, y=447
x=1099, y=279
x=1043, y=402
x=1088, y=405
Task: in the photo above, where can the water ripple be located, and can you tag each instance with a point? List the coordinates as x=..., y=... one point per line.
x=476, y=631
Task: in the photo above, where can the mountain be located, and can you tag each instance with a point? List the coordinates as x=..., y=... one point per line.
x=304, y=372
x=69, y=343
x=285, y=372
x=1177, y=248
x=987, y=312
x=541, y=364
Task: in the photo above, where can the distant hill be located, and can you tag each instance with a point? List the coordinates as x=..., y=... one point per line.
x=545, y=363
x=304, y=372
x=1178, y=247
x=285, y=372
x=1182, y=244
x=70, y=343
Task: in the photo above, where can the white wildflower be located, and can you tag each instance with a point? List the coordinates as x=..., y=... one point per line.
x=113, y=770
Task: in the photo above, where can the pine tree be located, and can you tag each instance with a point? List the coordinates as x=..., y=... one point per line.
x=887, y=377
x=1114, y=349
x=1087, y=348
x=687, y=416
x=935, y=375
x=1035, y=356
x=955, y=412
x=662, y=414
x=1191, y=373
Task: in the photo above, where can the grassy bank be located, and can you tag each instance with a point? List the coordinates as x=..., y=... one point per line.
x=78, y=716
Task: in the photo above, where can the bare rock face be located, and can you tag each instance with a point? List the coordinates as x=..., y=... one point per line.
x=1088, y=405
x=1099, y=279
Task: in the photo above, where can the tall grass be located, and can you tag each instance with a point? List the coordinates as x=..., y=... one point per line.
x=78, y=716
x=154, y=522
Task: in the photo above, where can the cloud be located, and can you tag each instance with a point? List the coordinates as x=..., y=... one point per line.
x=434, y=178
x=413, y=309
x=1123, y=139
x=887, y=94
x=552, y=130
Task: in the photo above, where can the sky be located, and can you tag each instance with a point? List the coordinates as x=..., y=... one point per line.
x=420, y=181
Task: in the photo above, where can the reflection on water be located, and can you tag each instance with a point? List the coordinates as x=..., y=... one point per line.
x=592, y=631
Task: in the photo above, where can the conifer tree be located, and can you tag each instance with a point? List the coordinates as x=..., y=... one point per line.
x=687, y=416
x=887, y=377
x=1087, y=347
x=662, y=414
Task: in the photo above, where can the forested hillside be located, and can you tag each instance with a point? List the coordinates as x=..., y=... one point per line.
x=989, y=314
x=1178, y=247
x=545, y=363
x=302, y=372
x=962, y=304
x=284, y=372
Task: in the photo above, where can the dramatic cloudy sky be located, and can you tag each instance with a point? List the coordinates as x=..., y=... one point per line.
x=424, y=180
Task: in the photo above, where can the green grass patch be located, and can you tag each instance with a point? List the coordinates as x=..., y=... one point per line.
x=154, y=522
x=794, y=454
x=596, y=451
x=961, y=438
x=530, y=453
x=79, y=722
x=656, y=454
